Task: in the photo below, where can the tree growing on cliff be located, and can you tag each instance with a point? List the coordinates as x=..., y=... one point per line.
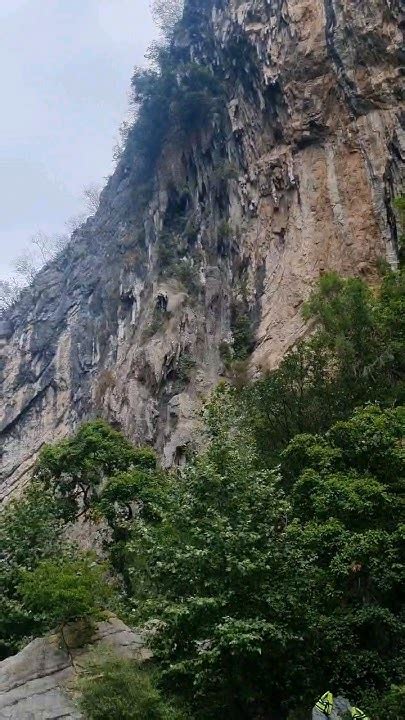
x=75, y=469
x=166, y=14
x=171, y=98
x=355, y=356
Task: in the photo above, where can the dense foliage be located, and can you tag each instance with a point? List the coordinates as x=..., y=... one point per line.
x=270, y=566
x=75, y=469
x=63, y=589
x=174, y=96
x=45, y=582
x=116, y=689
x=29, y=533
x=267, y=597
x=356, y=356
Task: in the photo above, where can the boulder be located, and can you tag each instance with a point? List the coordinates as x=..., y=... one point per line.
x=37, y=683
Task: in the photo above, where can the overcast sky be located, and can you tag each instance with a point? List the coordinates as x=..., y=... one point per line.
x=65, y=69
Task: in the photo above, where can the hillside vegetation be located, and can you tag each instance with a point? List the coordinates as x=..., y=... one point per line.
x=271, y=565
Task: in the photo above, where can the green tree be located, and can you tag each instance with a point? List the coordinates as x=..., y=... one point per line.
x=166, y=14
x=355, y=356
x=172, y=98
x=347, y=505
x=264, y=599
x=205, y=573
x=75, y=469
x=65, y=589
x=29, y=533
x=125, y=498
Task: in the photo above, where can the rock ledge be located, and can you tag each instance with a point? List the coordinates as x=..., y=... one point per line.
x=34, y=684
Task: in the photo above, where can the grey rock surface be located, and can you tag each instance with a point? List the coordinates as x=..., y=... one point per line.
x=36, y=684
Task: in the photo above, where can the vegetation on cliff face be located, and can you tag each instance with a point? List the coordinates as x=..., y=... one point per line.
x=356, y=356
x=270, y=565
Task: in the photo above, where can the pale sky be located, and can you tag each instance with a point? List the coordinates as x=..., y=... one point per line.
x=65, y=70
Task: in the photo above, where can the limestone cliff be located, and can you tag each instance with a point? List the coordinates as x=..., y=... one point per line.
x=295, y=177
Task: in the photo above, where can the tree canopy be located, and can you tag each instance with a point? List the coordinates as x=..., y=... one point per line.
x=267, y=596
x=270, y=566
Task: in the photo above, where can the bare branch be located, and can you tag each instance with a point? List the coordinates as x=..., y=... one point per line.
x=9, y=292
x=92, y=197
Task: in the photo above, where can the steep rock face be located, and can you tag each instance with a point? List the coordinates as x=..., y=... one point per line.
x=295, y=177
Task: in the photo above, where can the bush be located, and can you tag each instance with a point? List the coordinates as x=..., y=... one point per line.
x=197, y=100
x=168, y=252
x=243, y=339
x=29, y=532
x=65, y=589
x=116, y=689
x=224, y=230
x=187, y=273
x=184, y=368
x=388, y=707
x=157, y=324
x=225, y=353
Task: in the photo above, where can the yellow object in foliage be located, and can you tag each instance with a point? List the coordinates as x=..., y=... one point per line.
x=358, y=714
x=325, y=703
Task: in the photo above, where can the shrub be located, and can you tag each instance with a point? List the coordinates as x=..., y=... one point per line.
x=65, y=589
x=187, y=273
x=224, y=230
x=157, y=324
x=168, y=251
x=117, y=689
x=243, y=340
x=197, y=99
x=388, y=707
x=226, y=354
x=29, y=532
x=184, y=367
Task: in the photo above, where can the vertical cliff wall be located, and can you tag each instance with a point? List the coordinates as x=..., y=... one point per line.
x=294, y=175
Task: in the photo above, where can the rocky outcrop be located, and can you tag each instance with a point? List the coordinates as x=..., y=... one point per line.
x=296, y=177
x=39, y=682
